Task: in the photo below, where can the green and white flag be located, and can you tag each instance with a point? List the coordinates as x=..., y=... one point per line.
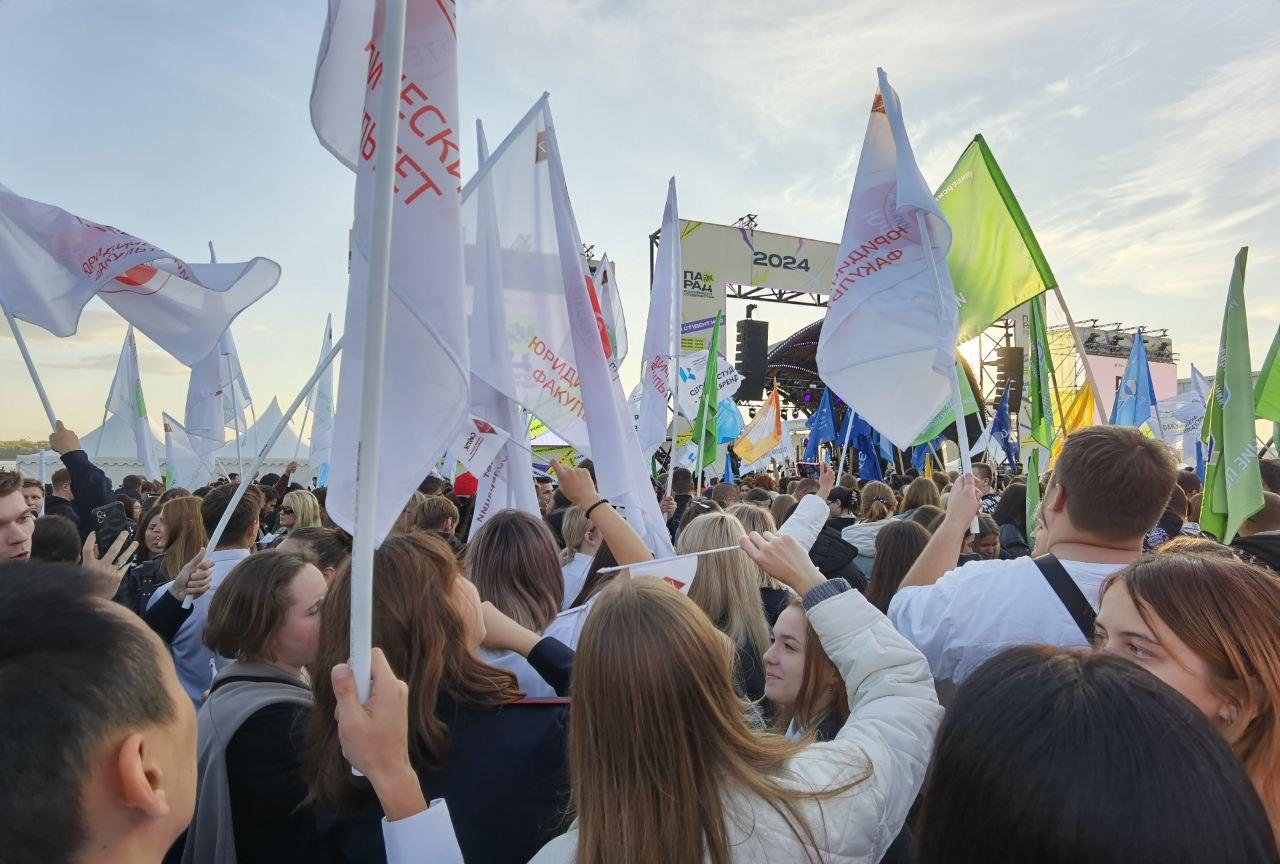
x=995, y=260
x=945, y=416
x=126, y=400
x=1039, y=390
x=1232, y=481
x=705, y=433
x=1266, y=397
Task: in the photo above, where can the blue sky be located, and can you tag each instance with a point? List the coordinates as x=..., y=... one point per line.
x=1143, y=140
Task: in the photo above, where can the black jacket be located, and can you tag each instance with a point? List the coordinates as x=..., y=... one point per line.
x=673, y=524
x=140, y=583
x=774, y=600
x=90, y=487
x=505, y=778
x=834, y=556
x=166, y=616
x=1262, y=548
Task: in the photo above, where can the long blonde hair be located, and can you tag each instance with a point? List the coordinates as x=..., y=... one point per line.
x=305, y=507
x=755, y=518
x=822, y=692
x=573, y=528
x=877, y=502
x=726, y=585
x=659, y=738
x=184, y=532
x=920, y=492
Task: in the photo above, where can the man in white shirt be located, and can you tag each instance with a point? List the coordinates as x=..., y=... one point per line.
x=1109, y=486
x=196, y=664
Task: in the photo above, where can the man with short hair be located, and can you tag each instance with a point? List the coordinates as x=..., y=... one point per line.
x=1259, y=537
x=1110, y=485
x=193, y=659
x=682, y=492
x=546, y=492
x=131, y=485
x=100, y=743
x=86, y=484
x=33, y=494
x=807, y=486
x=726, y=494
x=17, y=522
x=986, y=478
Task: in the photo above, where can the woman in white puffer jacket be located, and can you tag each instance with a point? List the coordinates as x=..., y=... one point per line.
x=665, y=767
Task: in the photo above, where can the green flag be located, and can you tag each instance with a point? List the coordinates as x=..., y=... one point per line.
x=704, y=427
x=1232, y=481
x=945, y=416
x=1266, y=404
x=1039, y=391
x=995, y=261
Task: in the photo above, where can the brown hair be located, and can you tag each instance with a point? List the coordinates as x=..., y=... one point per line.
x=57, y=478
x=920, y=492
x=766, y=482
x=1228, y=613
x=781, y=507
x=1116, y=480
x=10, y=482
x=822, y=691
x=245, y=515
x=514, y=564
x=424, y=636
x=659, y=739
x=184, y=532
x=330, y=547
x=32, y=483
x=984, y=468
x=250, y=604
x=432, y=513
x=898, y=545
x=877, y=502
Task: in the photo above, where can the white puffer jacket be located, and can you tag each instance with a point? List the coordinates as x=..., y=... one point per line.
x=888, y=739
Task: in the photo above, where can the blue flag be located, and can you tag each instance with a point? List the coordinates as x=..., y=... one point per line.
x=1136, y=395
x=863, y=437
x=1200, y=460
x=729, y=422
x=728, y=468
x=1002, y=434
x=921, y=452
x=822, y=427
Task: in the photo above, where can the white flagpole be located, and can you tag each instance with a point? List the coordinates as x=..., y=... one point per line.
x=43, y=475
x=374, y=350
x=302, y=430
x=957, y=403
x=97, y=446
x=678, y=327
x=235, y=409
x=845, y=446
x=31, y=369
x=245, y=480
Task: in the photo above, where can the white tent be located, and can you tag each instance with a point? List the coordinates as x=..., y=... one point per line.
x=281, y=453
x=110, y=447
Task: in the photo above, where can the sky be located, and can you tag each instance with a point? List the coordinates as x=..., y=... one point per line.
x=1142, y=139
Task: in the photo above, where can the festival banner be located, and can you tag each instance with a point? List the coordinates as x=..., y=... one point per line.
x=693, y=375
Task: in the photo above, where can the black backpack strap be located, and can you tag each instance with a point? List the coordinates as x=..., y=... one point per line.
x=1069, y=593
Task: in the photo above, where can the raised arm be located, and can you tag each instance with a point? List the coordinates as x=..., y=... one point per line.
x=943, y=550
x=580, y=489
x=806, y=521
x=89, y=484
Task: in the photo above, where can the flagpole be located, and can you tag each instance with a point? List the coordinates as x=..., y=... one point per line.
x=245, y=481
x=302, y=430
x=235, y=408
x=31, y=369
x=97, y=447
x=848, y=429
x=375, y=350
x=1088, y=370
x=957, y=403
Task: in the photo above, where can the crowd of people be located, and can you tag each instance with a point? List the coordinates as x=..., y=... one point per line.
x=907, y=670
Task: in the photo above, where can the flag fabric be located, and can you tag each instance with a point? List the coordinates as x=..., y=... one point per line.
x=52, y=263
x=615, y=319
x=125, y=398
x=946, y=416
x=763, y=434
x=622, y=477
x=869, y=466
x=205, y=420
x=1233, y=481
x=320, y=450
x=1136, y=397
x=1002, y=432
x=185, y=466
x=1078, y=411
x=921, y=453
x=1034, y=455
x=1039, y=387
x=476, y=444
x=426, y=326
x=995, y=261
x=1267, y=393
x=692, y=370
x=705, y=424
x=729, y=422
x=662, y=330
x=677, y=571
x=821, y=425
x=235, y=391
x=887, y=325
x=728, y=467
x=506, y=483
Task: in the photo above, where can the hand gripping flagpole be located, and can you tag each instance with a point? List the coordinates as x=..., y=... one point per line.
x=246, y=478
x=375, y=328
x=957, y=403
x=848, y=429
x=31, y=368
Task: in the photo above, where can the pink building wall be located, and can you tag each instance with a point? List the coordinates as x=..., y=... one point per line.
x=1108, y=371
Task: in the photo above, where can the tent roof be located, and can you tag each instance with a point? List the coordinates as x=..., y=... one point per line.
x=117, y=439
x=256, y=436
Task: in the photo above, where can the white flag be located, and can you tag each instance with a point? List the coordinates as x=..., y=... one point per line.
x=52, y=263
x=538, y=368
x=477, y=444
x=662, y=331
x=214, y=393
x=322, y=413
x=678, y=572
x=184, y=465
x=888, y=341
x=125, y=399
x=615, y=319
x=235, y=392
x=693, y=378
x=507, y=482
x=622, y=474
x=425, y=392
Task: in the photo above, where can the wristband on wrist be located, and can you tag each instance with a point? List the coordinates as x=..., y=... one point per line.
x=594, y=506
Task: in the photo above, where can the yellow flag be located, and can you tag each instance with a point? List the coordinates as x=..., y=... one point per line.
x=1077, y=413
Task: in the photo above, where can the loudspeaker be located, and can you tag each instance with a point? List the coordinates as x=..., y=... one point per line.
x=1009, y=362
x=750, y=358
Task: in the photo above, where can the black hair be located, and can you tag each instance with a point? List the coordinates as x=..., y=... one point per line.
x=1053, y=755
x=74, y=671
x=56, y=538
x=1011, y=509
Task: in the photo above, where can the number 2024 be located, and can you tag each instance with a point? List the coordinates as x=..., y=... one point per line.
x=786, y=262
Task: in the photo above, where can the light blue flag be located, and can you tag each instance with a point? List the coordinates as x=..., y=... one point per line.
x=1001, y=432
x=822, y=427
x=1136, y=396
x=729, y=422
x=728, y=468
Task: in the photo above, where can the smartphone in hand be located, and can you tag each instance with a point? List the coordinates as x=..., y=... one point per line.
x=109, y=522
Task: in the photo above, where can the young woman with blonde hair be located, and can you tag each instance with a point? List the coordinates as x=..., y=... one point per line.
x=920, y=492
x=581, y=540
x=299, y=509
x=665, y=767
x=1207, y=625
x=875, y=505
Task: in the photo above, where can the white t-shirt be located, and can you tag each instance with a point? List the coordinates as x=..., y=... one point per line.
x=575, y=576
x=975, y=612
